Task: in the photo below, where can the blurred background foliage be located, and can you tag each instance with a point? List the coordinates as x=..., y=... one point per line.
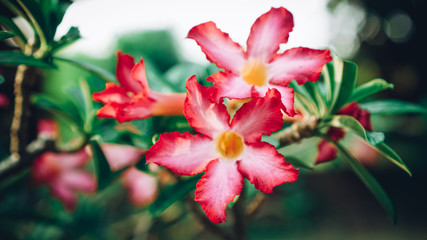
x=387, y=41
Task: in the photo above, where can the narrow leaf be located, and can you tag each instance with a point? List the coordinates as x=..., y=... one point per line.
x=13, y=58
x=171, y=194
x=375, y=138
x=313, y=91
x=11, y=26
x=6, y=35
x=102, y=169
x=370, y=88
x=301, y=154
x=70, y=37
x=95, y=70
x=369, y=181
x=345, y=77
x=392, y=107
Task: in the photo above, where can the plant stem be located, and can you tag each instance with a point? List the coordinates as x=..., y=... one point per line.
x=201, y=217
x=297, y=131
x=239, y=217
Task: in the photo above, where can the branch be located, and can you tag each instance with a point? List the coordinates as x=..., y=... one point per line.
x=297, y=131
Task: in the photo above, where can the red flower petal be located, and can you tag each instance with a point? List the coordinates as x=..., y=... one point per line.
x=139, y=108
x=120, y=156
x=301, y=64
x=268, y=32
x=265, y=167
x=287, y=97
x=327, y=152
x=125, y=63
x=204, y=116
x=65, y=195
x=140, y=77
x=183, y=154
x=363, y=116
x=218, y=46
x=217, y=187
x=112, y=94
x=258, y=117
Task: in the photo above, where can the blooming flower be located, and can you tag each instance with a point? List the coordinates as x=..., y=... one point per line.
x=252, y=72
x=141, y=187
x=134, y=99
x=327, y=151
x=226, y=150
x=64, y=175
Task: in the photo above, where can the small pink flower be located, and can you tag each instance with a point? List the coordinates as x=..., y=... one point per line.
x=327, y=151
x=134, y=99
x=4, y=101
x=252, y=72
x=64, y=175
x=226, y=150
x=141, y=187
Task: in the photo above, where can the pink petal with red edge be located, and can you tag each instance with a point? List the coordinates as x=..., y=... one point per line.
x=217, y=187
x=218, y=46
x=78, y=180
x=265, y=167
x=204, y=116
x=268, y=32
x=141, y=187
x=125, y=63
x=258, y=117
x=65, y=195
x=183, y=154
x=112, y=94
x=120, y=156
x=230, y=86
x=287, y=97
x=327, y=152
x=300, y=64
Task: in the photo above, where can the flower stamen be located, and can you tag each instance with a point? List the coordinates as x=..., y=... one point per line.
x=254, y=72
x=230, y=145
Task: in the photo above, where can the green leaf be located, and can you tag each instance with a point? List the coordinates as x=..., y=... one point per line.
x=347, y=122
x=370, y=88
x=375, y=138
x=11, y=26
x=6, y=35
x=95, y=70
x=102, y=169
x=313, y=91
x=13, y=58
x=392, y=107
x=171, y=194
x=391, y=155
x=343, y=82
x=301, y=154
x=70, y=37
x=369, y=181
x=55, y=106
x=2, y=80
x=38, y=20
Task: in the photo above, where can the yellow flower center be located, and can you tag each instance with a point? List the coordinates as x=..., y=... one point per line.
x=229, y=145
x=254, y=72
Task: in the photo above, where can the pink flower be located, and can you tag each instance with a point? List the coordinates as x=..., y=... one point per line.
x=252, y=72
x=64, y=175
x=226, y=150
x=327, y=151
x=134, y=99
x=4, y=101
x=141, y=187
